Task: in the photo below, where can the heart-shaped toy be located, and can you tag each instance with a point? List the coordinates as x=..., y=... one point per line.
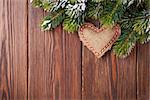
x=100, y=40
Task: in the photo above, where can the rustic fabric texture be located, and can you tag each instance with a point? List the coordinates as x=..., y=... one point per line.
x=100, y=40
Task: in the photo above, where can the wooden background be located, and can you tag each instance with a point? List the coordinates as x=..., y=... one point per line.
x=37, y=65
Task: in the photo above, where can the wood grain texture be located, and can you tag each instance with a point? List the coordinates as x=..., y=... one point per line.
x=13, y=49
x=143, y=72
x=126, y=82
x=54, y=62
x=110, y=78
x=36, y=65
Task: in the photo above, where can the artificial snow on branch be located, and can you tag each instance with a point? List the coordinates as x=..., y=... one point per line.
x=133, y=16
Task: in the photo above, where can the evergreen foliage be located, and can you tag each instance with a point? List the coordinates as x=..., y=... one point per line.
x=132, y=15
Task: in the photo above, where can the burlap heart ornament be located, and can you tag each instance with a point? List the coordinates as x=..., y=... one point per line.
x=97, y=40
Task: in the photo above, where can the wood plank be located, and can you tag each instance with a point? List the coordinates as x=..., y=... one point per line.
x=13, y=49
x=126, y=77
x=73, y=67
x=54, y=62
x=143, y=72
x=108, y=78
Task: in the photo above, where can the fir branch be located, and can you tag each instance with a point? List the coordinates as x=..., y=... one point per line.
x=97, y=1
x=132, y=15
x=72, y=25
x=53, y=20
x=133, y=31
x=111, y=17
x=124, y=45
x=135, y=18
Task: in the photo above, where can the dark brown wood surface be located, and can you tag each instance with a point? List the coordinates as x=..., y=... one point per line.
x=13, y=49
x=36, y=65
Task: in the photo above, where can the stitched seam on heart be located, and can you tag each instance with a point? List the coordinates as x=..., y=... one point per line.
x=91, y=26
x=116, y=29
